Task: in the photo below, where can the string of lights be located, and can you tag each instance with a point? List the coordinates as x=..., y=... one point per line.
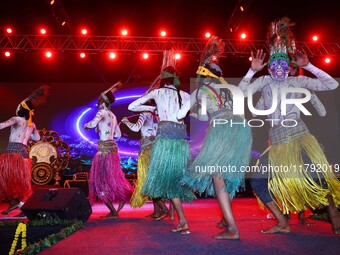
x=128, y=44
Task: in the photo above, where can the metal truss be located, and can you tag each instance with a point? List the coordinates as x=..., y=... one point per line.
x=120, y=44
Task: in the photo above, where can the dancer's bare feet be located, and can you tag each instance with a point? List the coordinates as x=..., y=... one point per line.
x=183, y=228
x=171, y=216
x=304, y=220
x=120, y=206
x=335, y=220
x=278, y=228
x=228, y=234
x=152, y=215
x=222, y=223
x=162, y=215
x=334, y=215
x=110, y=216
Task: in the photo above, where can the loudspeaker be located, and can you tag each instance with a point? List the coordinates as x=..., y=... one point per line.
x=81, y=184
x=55, y=203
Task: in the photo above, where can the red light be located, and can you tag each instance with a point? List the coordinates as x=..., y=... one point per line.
x=7, y=54
x=145, y=55
x=84, y=31
x=213, y=58
x=315, y=38
x=327, y=60
x=177, y=56
x=9, y=30
x=48, y=54
x=243, y=36
x=43, y=31
x=207, y=35
x=250, y=59
x=82, y=55
x=163, y=33
x=112, y=55
x=124, y=32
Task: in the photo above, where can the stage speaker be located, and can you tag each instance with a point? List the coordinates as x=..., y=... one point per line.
x=81, y=184
x=55, y=203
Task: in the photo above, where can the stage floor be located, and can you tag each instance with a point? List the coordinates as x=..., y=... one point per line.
x=132, y=233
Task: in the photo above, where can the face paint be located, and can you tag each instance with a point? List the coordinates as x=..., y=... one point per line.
x=279, y=70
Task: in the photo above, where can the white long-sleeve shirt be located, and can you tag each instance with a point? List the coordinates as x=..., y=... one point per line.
x=265, y=84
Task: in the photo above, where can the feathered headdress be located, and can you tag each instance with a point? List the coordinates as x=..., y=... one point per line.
x=210, y=56
x=212, y=51
x=281, y=40
x=37, y=98
x=108, y=95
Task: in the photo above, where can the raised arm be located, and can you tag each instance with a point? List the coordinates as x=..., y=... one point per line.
x=135, y=126
x=137, y=105
x=12, y=121
x=323, y=82
x=93, y=123
x=257, y=64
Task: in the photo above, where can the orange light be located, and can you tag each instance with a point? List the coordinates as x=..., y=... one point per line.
x=84, y=31
x=7, y=54
x=145, y=55
x=243, y=36
x=177, y=56
x=43, y=31
x=9, y=30
x=207, y=35
x=315, y=38
x=124, y=32
x=327, y=60
x=112, y=55
x=82, y=55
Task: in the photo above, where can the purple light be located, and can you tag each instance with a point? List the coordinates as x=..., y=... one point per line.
x=78, y=127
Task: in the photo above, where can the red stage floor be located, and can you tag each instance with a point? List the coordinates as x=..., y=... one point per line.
x=134, y=234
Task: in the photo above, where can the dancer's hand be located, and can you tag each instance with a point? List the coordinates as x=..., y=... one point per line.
x=301, y=58
x=257, y=61
x=124, y=120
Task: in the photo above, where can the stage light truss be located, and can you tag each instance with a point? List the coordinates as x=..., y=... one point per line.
x=121, y=44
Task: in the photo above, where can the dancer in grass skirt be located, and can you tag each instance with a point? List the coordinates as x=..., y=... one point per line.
x=170, y=153
x=227, y=144
x=107, y=181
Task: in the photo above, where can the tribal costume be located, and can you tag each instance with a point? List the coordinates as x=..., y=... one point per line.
x=148, y=128
x=296, y=188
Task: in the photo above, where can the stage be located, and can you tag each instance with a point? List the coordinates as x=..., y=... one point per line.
x=132, y=233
